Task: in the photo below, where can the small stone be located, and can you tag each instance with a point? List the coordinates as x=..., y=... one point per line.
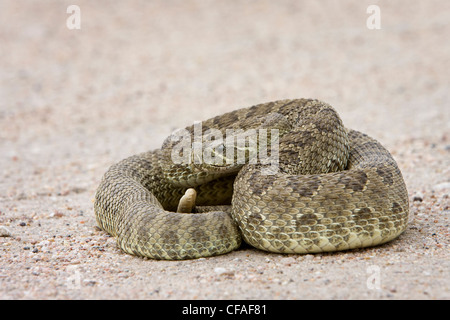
x=89, y=283
x=418, y=197
x=56, y=214
x=4, y=232
x=222, y=271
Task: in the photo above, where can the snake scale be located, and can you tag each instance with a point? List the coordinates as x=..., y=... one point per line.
x=333, y=189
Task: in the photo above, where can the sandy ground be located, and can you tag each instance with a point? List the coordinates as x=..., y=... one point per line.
x=73, y=102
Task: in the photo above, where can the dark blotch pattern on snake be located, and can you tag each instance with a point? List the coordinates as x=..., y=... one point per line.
x=335, y=189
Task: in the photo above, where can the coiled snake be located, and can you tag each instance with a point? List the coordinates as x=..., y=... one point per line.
x=330, y=188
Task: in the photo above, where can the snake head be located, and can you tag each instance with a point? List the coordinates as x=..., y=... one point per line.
x=199, y=153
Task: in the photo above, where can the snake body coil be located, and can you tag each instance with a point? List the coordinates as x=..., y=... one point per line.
x=333, y=189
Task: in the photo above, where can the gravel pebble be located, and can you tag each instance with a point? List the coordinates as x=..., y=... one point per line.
x=418, y=197
x=222, y=271
x=4, y=232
